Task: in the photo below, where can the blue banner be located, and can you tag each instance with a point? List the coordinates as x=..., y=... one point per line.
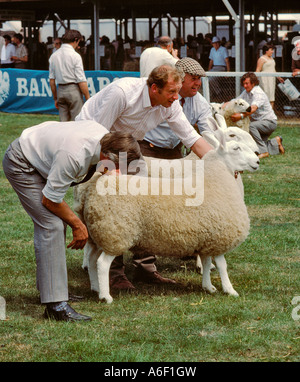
x=28, y=91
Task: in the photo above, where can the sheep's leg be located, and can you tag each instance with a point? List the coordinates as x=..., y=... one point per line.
x=103, y=266
x=199, y=267
x=222, y=268
x=85, y=260
x=92, y=254
x=206, y=281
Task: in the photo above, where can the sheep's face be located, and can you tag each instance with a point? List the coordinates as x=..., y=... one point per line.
x=239, y=157
x=241, y=106
x=216, y=108
x=234, y=133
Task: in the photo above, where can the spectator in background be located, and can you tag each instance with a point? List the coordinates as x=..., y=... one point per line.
x=218, y=62
x=266, y=63
x=21, y=56
x=66, y=70
x=7, y=52
x=162, y=54
x=219, y=59
x=57, y=44
x=296, y=59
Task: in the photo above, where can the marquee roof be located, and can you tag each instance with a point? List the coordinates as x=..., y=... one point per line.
x=120, y=9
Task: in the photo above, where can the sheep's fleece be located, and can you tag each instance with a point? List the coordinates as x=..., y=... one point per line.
x=164, y=225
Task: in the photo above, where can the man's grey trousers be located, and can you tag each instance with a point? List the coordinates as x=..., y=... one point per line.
x=49, y=230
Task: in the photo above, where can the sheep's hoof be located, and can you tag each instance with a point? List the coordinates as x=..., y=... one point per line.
x=211, y=289
x=232, y=292
x=107, y=299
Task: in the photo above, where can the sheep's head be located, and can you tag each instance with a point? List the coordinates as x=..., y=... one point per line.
x=238, y=157
x=232, y=133
x=241, y=106
x=231, y=147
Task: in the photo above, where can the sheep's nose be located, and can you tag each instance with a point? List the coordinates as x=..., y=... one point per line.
x=257, y=153
x=249, y=109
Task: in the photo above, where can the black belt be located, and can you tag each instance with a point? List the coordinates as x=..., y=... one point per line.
x=70, y=83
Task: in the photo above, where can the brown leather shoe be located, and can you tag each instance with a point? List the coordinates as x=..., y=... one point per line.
x=152, y=278
x=279, y=141
x=263, y=155
x=121, y=282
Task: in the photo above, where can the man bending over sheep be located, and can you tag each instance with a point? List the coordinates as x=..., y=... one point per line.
x=138, y=105
x=41, y=165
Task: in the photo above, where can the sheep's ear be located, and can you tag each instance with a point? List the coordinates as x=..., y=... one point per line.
x=210, y=138
x=221, y=121
x=212, y=123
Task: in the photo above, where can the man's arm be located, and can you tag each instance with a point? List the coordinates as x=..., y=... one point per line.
x=63, y=211
x=237, y=116
x=201, y=147
x=54, y=91
x=84, y=89
x=227, y=64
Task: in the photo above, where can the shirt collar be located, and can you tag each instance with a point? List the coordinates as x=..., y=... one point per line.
x=67, y=46
x=96, y=156
x=146, y=97
x=254, y=90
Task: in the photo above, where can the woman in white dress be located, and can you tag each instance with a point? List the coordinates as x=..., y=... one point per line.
x=266, y=63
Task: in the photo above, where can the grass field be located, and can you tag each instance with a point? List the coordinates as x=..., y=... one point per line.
x=166, y=324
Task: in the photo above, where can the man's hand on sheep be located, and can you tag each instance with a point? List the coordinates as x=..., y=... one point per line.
x=63, y=211
x=236, y=117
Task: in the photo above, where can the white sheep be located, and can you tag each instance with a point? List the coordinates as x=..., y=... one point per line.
x=163, y=224
x=234, y=106
x=167, y=168
x=229, y=133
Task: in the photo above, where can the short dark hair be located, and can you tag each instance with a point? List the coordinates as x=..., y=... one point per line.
x=160, y=76
x=7, y=37
x=19, y=36
x=71, y=35
x=267, y=47
x=253, y=79
x=114, y=143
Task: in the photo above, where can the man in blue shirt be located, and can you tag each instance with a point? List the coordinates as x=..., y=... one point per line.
x=218, y=62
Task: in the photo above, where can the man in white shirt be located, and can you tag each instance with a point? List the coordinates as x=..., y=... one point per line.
x=163, y=54
x=21, y=56
x=41, y=165
x=7, y=52
x=66, y=71
x=161, y=142
x=138, y=105
x=263, y=119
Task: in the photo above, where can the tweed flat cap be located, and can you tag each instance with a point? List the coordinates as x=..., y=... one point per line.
x=191, y=66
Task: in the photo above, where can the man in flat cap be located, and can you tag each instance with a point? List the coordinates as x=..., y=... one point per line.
x=161, y=142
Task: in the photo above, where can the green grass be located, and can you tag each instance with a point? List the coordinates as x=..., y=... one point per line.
x=160, y=324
